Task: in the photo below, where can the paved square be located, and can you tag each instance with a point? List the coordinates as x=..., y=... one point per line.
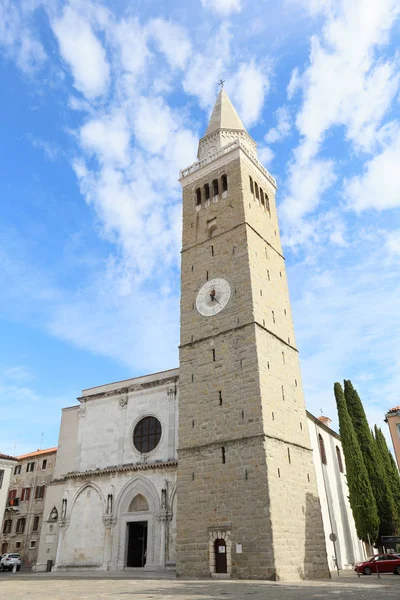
x=110, y=586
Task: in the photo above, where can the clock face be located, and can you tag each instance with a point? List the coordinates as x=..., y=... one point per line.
x=213, y=296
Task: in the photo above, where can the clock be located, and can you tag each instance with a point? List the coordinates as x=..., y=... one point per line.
x=213, y=296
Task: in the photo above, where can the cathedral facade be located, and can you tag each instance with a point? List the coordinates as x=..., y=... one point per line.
x=210, y=468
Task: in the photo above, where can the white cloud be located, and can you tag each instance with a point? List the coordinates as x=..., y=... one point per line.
x=249, y=85
x=129, y=39
x=393, y=242
x=308, y=181
x=208, y=67
x=343, y=85
x=282, y=129
x=172, y=41
x=84, y=53
x=223, y=7
x=108, y=137
x=379, y=186
x=265, y=155
x=17, y=37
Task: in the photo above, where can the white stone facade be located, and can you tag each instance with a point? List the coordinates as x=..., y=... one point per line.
x=334, y=496
x=103, y=484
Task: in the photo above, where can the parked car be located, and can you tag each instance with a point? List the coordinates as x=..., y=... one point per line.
x=384, y=563
x=8, y=561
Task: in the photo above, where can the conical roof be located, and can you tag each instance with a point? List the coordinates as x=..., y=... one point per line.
x=224, y=116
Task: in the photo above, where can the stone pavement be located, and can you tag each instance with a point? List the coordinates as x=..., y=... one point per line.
x=120, y=586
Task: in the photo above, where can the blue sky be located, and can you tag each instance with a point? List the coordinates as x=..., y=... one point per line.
x=103, y=103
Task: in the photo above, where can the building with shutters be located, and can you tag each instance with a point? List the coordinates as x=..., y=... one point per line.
x=23, y=513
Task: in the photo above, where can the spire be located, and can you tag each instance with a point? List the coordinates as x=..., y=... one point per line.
x=224, y=116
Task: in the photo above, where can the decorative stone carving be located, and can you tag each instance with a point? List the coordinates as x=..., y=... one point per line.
x=63, y=523
x=171, y=392
x=109, y=521
x=164, y=515
x=123, y=401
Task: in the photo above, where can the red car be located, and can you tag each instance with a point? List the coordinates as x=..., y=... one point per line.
x=384, y=563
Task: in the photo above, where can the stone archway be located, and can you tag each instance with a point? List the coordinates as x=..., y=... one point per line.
x=136, y=511
x=214, y=546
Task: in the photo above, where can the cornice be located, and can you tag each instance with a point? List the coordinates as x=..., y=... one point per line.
x=117, y=469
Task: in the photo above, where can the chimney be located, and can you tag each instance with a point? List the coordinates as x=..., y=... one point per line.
x=325, y=420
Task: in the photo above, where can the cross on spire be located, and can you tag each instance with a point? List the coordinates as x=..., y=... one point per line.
x=221, y=83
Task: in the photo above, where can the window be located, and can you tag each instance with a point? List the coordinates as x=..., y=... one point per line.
x=267, y=203
x=32, y=544
x=12, y=494
x=35, y=525
x=251, y=185
x=322, y=450
x=1, y=477
x=44, y=464
x=215, y=187
x=17, y=545
x=53, y=514
x=223, y=455
x=25, y=494
x=20, y=526
x=198, y=197
x=39, y=492
x=7, y=526
x=339, y=459
x=257, y=192
x=262, y=196
x=207, y=191
x=224, y=183
x=147, y=434
x=30, y=467
x=17, y=470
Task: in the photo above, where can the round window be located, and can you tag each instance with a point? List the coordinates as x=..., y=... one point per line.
x=147, y=434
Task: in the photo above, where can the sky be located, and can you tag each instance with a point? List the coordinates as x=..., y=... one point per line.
x=101, y=105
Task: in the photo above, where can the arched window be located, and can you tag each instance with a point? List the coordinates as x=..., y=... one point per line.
x=257, y=192
x=215, y=187
x=267, y=203
x=54, y=514
x=262, y=196
x=207, y=191
x=339, y=459
x=198, y=197
x=322, y=450
x=224, y=183
x=251, y=185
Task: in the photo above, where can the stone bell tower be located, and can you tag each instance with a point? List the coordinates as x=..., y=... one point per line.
x=248, y=503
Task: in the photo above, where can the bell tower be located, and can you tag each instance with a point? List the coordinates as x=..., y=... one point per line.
x=248, y=503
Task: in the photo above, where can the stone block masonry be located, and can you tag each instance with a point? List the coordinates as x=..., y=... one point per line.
x=246, y=480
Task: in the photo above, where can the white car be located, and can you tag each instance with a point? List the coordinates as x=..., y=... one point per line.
x=8, y=561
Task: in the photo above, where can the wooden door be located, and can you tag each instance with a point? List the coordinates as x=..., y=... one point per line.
x=220, y=556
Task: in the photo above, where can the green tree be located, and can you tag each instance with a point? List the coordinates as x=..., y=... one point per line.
x=389, y=465
x=362, y=500
x=381, y=488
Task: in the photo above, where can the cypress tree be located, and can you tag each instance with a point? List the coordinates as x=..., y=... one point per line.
x=387, y=510
x=389, y=465
x=362, y=500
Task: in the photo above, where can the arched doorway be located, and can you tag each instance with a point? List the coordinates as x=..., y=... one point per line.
x=137, y=533
x=221, y=565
